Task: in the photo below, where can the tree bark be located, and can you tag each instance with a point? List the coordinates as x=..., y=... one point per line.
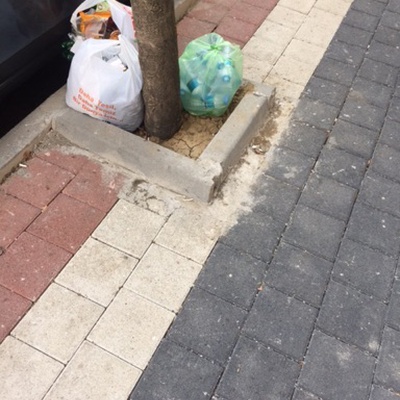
x=158, y=56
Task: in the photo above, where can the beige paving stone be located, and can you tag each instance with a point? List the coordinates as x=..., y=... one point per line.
x=58, y=323
x=324, y=18
x=191, y=233
x=25, y=373
x=263, y=50
x=285, y=90
x=285, y=16
x=164, y=277
x=129, y=228
x=316, y=34
x=97, y=271
x=303, y=6
x=95, y=374
x=338, y=7
x=255, y=70
x=294, y=70
x=276, y=33
x=132, y=328
x=303, y=51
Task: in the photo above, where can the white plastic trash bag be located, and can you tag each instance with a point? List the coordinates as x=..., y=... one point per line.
x=105, y=82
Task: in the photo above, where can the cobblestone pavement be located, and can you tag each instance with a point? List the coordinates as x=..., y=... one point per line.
x=299, y=300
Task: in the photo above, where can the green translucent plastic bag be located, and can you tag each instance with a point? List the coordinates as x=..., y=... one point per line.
x=211, y=71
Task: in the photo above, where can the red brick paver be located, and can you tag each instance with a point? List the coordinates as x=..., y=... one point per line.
x=236, y=29
x=15, y=217
x=38, y=183
x=95, y=187
x=12, y=309
x=30, y=264
x=193, y=28
x=67, y=223
x=71, y=162
x=266, y=4
x=249, y=13
x=209, y=12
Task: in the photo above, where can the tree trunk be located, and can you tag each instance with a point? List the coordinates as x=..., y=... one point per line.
x=158, y=56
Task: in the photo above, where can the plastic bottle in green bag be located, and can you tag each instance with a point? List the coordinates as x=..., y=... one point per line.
x=211, y=71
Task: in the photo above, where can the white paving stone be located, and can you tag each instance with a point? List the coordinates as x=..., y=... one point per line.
x=255, y=70
x=132, y=328
x=305, y=52
x=95, y=374
x=263, y=50
x=190, y=233
x=338, y=7
x=164, y=277
x=129, y=228
x=25, y=373
x=285, y=16
x=303, y=6
x=284, y=89
x=294, y=70
x=58, y=323
x=97, y=271
x=275, y=32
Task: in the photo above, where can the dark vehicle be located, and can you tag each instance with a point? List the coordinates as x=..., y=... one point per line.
x=31, y=65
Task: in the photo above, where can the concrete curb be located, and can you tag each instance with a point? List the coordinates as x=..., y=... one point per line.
x=198, y=179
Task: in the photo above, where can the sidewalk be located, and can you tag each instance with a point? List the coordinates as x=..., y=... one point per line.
x=286, y=287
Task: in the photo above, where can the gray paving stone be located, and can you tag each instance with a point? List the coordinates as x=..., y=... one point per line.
x=207, y=325
x=390, y=19
x=345, y=52
x=354, y=139
x=394, y=5
x=300, y=394
x=360, y=19
x=379, y=393
x=332, y=93
x=315, y=232
x=374, y=228
x=341, y=166
x=394, y=109
x=382, y=52
x=258, y=373
x=256, y=234
x=232, y=275
x=381, y=193
x=275, y=198
x=361, y=113
x=316, y=113
x=356, y=36
x=364, y=269
x=387, y=370
x=371, y=92
x=335, y=71
x=378, y=72
x=386, y=161
x=290, y=166
x=387, y=35
x=372, y=7
x=328, y=196
x=281, y=321
x=175, y=373
x=351, y=316
x=299, y=273
x=335, y=371
x=390, y=134
x=304, y=138
x=394, y=306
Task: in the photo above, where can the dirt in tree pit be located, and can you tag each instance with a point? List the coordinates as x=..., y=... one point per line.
x=197, y=132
